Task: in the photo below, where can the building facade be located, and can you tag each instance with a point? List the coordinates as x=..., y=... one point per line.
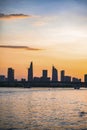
x=10, y=75
x=85, y=78
x=44, y=73
x=30, y=72
x=54, y=74
x=62, y=75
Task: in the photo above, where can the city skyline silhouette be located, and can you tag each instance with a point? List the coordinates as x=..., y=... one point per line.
x=44, y=76
x=43, y=80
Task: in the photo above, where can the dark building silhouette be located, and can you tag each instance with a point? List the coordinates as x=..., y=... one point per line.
x=76, y=79
x=10, y=74
x=85, y=78
x=23, y=80
x=36, y=79
x=67, y=78
x=30, y=72
x=44, y=76
x=44, y=73
x=54, y=74
x=2, y=78
x=62, y=75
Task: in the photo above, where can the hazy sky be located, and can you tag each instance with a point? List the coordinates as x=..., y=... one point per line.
x=46, y=32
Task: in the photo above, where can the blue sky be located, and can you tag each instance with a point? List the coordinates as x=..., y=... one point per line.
x=43, y=7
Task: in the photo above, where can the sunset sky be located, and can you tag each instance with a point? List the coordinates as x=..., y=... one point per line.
x=47, y=32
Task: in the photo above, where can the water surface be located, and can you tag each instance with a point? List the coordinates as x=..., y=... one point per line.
x=43, y=109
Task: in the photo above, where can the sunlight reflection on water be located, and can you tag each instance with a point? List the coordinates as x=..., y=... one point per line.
x=43, y=109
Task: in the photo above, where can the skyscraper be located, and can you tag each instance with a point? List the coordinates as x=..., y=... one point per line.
x=44, y=75
x=85, y=78
x=62, y=75
x=30, y=72
x=54, y=74
x=10, y=74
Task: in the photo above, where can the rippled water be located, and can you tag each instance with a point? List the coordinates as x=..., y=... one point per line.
x=43, y=109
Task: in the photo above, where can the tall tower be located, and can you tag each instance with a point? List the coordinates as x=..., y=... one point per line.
x=54, y=74
x=62, y=75
x=10, y=74
x=30, y=72
x=85, y=78
x=44, y=75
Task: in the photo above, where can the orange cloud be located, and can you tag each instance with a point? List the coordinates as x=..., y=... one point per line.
x=13, y=16
x=20, y=47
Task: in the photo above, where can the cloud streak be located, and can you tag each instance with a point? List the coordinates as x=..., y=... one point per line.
x=20, y=47
x=13, y=16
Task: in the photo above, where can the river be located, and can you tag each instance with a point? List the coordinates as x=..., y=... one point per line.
x=43, y=109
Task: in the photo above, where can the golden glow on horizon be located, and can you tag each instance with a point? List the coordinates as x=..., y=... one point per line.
x=20, y=61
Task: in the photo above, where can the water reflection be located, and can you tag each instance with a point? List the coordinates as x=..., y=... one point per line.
x=41, y=109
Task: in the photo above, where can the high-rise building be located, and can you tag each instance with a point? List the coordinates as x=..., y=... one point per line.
x=44, y=76
x=62, y=75
x=85, y=78
x=54, y=74
x=10, y=74
x=44, y=73
x=30, y=72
